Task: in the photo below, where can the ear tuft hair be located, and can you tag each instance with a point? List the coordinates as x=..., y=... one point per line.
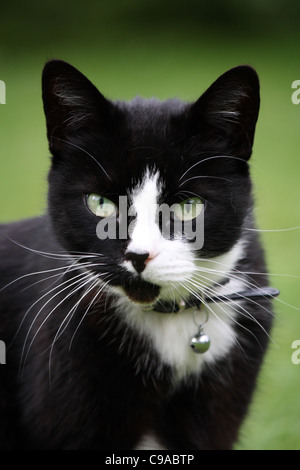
x=230, y=107
x=71, y=101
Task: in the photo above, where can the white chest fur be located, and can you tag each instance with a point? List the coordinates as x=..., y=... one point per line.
x=170, y=335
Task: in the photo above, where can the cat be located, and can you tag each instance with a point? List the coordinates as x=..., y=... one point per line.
x=100, y=329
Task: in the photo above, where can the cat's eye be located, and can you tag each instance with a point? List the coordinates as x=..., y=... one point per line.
x=189, y=209
x=100, y=206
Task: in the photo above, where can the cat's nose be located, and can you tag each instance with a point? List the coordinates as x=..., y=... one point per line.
x=138, y=260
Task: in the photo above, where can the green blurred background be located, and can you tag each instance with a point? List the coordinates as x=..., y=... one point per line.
x=171, y=48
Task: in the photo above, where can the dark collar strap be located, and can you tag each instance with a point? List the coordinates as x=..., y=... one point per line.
x=165, y=306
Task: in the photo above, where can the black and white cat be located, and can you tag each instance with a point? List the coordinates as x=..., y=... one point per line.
x=100, y=330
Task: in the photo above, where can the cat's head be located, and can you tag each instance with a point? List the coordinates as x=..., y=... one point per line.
x=115, y=163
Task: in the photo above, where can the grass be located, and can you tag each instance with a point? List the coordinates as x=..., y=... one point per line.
x=165, y=62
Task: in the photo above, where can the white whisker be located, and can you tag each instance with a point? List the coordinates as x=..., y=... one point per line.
x=203, y=176
x=239, y=309
x=236, y=275
x=289, y=229
x=81, y=277
x=68, y=317
x=102, y=287
x=69, y=268
x=207, y=159
x=231, y=276
x=85, y=152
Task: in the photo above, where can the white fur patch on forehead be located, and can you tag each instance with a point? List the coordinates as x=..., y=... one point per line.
x=144, y=200
x=148, y=190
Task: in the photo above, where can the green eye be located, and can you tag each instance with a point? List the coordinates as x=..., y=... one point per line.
x=189, y=209
x=100, y=206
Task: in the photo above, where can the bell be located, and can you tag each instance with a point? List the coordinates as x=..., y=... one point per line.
x=200, y=343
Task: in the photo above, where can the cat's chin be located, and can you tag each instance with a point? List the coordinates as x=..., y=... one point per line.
x=144, y=293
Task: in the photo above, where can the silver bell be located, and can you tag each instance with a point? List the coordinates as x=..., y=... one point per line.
x=200, y=343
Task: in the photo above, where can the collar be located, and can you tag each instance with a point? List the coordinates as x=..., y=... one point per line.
x=166, y=306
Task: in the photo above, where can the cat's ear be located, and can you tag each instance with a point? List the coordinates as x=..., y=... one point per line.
x=71, y=102
x=229, y=109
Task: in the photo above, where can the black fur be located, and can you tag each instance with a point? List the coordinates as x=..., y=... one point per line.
x=84, y=393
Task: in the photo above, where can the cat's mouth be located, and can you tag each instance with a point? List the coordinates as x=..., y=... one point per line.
x=141, y=291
